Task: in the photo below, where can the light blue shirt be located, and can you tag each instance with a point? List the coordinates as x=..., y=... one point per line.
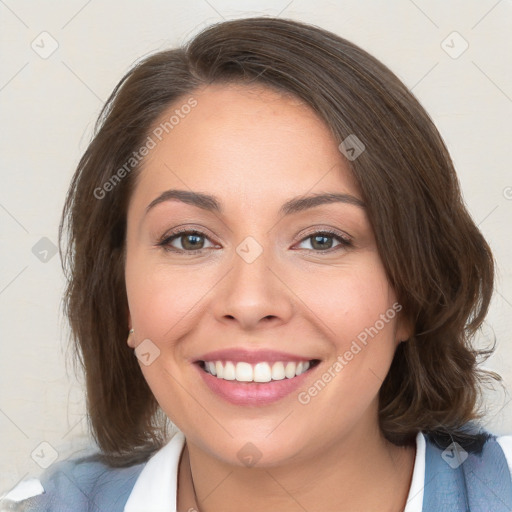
x=446, y=478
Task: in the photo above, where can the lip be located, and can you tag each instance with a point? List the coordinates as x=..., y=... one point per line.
x=237, y=355
x=254, y=394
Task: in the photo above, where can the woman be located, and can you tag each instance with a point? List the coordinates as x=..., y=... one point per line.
x=268, y=247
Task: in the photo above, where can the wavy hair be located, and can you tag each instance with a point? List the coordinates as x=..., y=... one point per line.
x=436, y=259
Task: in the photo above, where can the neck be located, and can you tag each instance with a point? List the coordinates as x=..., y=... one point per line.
x=363, y=472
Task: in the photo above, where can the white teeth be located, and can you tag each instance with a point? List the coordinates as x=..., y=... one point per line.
x=260, y=372
x=243, y=372
x=289, y=370
x=229, y=371
x=219, y=370
x=278, y=371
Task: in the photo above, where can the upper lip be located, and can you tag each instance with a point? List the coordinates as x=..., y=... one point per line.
x=251, y=356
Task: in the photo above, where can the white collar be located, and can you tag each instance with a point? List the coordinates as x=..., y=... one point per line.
x=156, y=487
x=415, y=496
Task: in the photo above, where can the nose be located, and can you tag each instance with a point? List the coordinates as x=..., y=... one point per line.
x=254, y=294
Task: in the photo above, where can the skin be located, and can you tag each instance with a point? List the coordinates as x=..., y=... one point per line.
x=254, y=149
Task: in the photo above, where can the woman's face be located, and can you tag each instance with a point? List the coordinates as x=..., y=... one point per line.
x=260, y=286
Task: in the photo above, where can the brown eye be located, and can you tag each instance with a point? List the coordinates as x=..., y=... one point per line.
x=191, y=242
x=187, y=241
x=323, y=241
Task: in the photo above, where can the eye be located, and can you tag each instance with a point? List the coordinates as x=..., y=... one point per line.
x=322, y=241
x=191, y=241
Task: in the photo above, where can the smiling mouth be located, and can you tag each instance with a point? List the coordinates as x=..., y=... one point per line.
x=259, y=373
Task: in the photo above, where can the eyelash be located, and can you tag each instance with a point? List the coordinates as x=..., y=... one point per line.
x=165, y=241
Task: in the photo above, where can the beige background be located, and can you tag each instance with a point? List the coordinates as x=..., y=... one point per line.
x=49, y=102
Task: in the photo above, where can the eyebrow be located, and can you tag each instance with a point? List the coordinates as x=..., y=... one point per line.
x=295, y=205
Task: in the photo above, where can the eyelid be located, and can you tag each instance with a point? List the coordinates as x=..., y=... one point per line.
x=165, y=240
x=345, y=241
x=326, y=230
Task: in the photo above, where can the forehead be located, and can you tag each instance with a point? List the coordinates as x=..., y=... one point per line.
x=249, y=143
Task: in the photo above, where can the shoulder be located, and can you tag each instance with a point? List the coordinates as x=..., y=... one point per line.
x=505, y=443
x=469, y=468
x=80, y=485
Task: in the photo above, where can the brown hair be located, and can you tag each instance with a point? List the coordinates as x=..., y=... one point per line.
x=435, y=257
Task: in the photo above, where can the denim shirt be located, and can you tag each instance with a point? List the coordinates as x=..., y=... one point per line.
x=459, y=477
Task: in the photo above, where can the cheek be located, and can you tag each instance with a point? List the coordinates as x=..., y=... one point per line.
x=161, y=302
x=348, y=301
x=160, y=297
x=358, y=310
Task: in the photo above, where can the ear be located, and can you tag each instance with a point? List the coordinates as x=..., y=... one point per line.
x=130, y=341
x=404, y=328
x=131, y=335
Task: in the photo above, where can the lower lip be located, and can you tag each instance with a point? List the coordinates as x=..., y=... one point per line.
x=253, y=393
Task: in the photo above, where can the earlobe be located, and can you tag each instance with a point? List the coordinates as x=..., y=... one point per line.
x=130, y=341
x=404, y=331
